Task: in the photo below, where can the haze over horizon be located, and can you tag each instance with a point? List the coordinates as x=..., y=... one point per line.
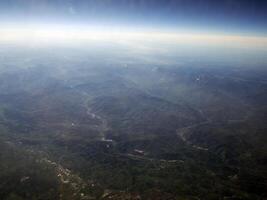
x=195, y=28
x=237, y=17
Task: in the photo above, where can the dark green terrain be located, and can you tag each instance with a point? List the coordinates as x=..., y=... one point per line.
x=76, y=126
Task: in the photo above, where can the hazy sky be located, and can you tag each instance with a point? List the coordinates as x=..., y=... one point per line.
x=224, y=16
x=232, y=29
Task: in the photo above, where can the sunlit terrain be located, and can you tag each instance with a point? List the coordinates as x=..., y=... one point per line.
x=132, y=112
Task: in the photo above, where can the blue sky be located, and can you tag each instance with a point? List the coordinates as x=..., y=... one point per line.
x=225, y=16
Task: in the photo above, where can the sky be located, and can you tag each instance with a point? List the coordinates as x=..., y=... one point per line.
x=236, y=28
x=240, y=17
